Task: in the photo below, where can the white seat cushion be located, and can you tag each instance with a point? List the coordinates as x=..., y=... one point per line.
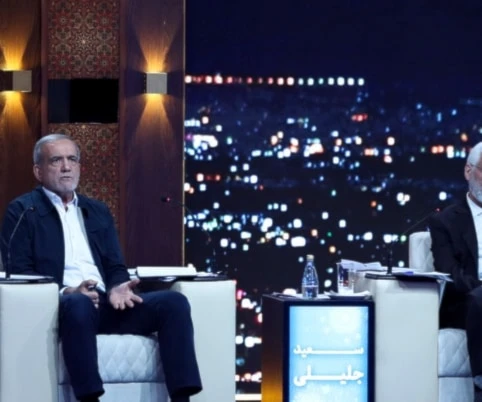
x=453, y=356
x=124, y=359
x=456, y=389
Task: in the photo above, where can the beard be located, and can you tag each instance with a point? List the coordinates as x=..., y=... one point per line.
x=475, y=189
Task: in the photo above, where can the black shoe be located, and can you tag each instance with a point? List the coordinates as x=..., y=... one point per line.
x=90, y=398
x=183, y=394
x=183, y=399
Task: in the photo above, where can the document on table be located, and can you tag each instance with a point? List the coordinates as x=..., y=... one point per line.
x=441, y=276
x=160, y=272
x=360, y=266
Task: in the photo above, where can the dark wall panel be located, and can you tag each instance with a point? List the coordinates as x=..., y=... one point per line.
x=151, y=128
x=19, y=112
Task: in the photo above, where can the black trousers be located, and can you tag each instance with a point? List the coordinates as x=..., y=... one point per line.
x=474, y=330
x=166, y=312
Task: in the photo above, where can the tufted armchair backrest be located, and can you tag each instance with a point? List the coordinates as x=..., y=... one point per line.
x=419, y=251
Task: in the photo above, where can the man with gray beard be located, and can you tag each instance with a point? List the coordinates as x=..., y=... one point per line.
x=73, y=238
x=457, y=249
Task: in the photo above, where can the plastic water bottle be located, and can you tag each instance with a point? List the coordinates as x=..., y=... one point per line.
x=309, y=283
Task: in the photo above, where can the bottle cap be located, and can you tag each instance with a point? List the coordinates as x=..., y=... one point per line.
x=310, y=257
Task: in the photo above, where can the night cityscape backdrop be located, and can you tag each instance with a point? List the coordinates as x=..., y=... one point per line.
x=326, y=128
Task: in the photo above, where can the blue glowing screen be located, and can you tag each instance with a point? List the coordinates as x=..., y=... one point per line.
x=329, y=353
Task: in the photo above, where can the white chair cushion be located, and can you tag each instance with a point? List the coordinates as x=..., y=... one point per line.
x=420, y=254
x=124, y=359
x=453, y=356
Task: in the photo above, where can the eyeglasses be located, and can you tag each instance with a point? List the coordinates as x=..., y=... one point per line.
x=477, y=166
x=57, y=161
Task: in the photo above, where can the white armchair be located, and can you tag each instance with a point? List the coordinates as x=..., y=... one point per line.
x=32, y=368
x=454, y=375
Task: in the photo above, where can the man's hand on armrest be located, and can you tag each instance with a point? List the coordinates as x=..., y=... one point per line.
x=122, y=296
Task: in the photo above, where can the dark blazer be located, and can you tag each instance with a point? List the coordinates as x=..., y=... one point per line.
x=37, y=246
x=454, y=249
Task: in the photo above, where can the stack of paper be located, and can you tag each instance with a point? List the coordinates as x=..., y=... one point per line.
x=26, y=278
x=360, y=266
x=423, y=274
x=160, y=272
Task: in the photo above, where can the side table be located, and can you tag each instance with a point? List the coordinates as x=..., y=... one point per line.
x=317, y=350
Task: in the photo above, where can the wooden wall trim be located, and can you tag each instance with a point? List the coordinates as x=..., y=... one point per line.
x=44, y=70
x=152, y=132
x=19, y=112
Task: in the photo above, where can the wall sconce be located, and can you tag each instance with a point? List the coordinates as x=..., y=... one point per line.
x=16, y=80
x=155, y=83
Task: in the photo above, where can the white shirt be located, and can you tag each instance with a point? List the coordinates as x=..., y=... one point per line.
x=477, y=217
x=79, y=263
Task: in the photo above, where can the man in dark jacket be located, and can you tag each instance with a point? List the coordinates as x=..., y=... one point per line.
x=60, y=233
x=457, y=249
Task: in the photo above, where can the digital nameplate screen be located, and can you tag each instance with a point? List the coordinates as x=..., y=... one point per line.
x=330, y=353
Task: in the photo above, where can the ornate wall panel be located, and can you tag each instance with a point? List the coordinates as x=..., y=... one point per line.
x=83, y=42
x=83, y=39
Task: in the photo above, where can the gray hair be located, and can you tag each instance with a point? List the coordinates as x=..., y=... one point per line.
x=475, y=154
x=37, y=150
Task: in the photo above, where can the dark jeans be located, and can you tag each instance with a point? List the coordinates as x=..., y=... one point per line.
x=166, y=312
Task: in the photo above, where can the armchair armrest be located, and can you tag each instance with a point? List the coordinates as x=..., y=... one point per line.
x=28, y=347
x=213, y=311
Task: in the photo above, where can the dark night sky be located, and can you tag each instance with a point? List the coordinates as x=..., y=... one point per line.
x=414, y=39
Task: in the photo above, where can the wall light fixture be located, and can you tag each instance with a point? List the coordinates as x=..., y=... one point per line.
x=16, y=80
x=155, y=83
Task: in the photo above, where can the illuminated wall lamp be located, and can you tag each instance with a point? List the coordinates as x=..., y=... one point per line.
x=16, y=80
x=155, y=83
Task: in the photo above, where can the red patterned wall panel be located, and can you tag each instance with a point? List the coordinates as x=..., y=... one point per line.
x=83, y=37
x=99, y=144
